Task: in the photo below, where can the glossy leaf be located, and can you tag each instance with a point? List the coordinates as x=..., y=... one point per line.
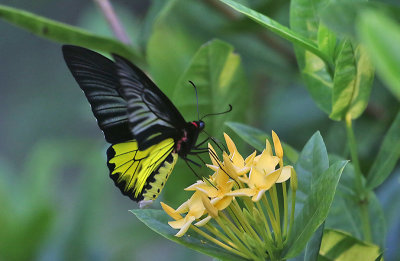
x=312, y=162
x=64, y=33
x=218, y=75
x=387, y=157
x=157, y=220
x=256, y=138
x=314, y=245
x=169, y=52
x=316, y=189
x=352, y=83
x=327, y=41
x=345, y=212
x=340, y=246
x=381, y=36
x=317, y=74
x=277, y=28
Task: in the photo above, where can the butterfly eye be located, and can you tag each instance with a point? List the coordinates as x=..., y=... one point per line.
x=201, y=125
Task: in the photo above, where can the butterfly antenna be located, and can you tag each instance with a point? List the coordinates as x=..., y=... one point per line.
x=197, y=100
x=218, y=113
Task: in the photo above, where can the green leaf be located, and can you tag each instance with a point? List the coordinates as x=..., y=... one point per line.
x=313, y=246
x=155, y=15
x=277, y=28
x=157, y=220
x=340, y=246
x=64, y=33
x=345, y=212
x=169, y=52
x=256, y=138
x=352, y=83
x=218, y=75
x=327, y=41
x=387, y=157
x=313, y=161
x=381, y=36
x=317, y=74
x=315, y=208
x=316, y=189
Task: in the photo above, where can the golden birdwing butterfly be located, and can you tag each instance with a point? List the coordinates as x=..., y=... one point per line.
x=146, y=131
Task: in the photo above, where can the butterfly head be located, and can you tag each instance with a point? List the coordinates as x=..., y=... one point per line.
x=199, y=125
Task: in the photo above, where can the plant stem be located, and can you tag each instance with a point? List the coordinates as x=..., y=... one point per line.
x=362, y=199
x=218, y=233
x=285, y=213
x=274, y=199
x=113, y=21
x=240, y=246
x=217, y=242
x=291, y=214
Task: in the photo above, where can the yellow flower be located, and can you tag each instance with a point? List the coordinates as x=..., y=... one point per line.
x=258, y=183
x=221, y=186
x=194, y=208
x=262, y=175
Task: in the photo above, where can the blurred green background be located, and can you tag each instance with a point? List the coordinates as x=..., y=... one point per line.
x=57, y=201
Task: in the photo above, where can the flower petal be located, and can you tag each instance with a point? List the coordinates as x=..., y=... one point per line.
x=221, y=178
x=271, y=179
x=170, y=211
x=267, y=163
x=256, y=178
x=277, y=145
x=203, y=221
x=212, y=167
x=242, y=192
x=258, y=195
x=213, y=155
x=249, y=160
x=203, y=187
x=231, y=145
x=185, y=227
x=224, y=203
x=210, y=208
x=285, y=175
x=177, y=224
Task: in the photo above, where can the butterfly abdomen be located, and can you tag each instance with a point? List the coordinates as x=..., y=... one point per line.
x=158, y=178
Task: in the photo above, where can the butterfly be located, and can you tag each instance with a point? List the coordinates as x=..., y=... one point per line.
x=146, y=131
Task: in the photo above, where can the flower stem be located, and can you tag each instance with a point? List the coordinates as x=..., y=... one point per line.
x=285, y=213
x=236, y=209
x=218, y=233
x=113, y=21
x=271, y=217
x=240, y=237
x=291, y=214
x=217, y=242
x=242, y=248
x=274, y=198
x=363, y=202
x=266, y=225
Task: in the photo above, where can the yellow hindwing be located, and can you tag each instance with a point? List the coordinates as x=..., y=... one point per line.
x=141, y=175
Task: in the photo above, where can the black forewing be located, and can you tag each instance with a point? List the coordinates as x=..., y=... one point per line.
x=152, y=116
x=96, y=75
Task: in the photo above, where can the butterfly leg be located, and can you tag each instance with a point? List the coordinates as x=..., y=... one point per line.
x=195, y=173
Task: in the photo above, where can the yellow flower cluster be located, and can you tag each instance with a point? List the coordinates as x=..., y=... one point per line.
x=233, y=177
